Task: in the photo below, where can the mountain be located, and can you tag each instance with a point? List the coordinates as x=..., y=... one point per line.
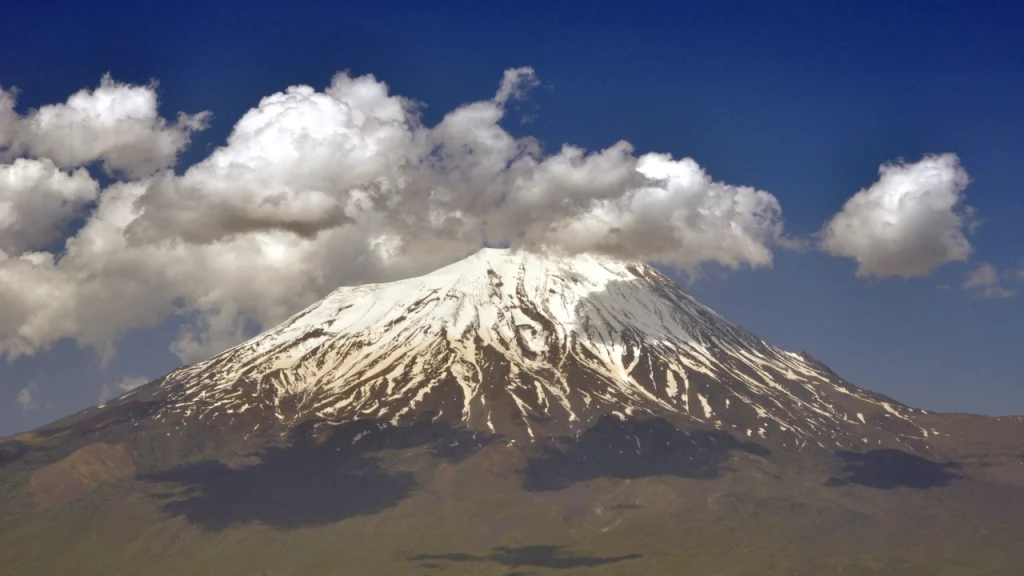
x=526, y=346
x=514, y=412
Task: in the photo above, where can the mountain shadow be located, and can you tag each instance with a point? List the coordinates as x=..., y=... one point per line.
x=540, y=556
x=633, y=448
x=887, y=469
x=323, y=475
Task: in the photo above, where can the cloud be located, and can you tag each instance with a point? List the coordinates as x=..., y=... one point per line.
x=674, y=214
x=8, y=117
x=516, y=83
x=127, y=384
x=290, y=164
x=37, y=200
x=27, y=398
x=908, y=223
x=318, y=189
x=116, y=124
x=984, y=281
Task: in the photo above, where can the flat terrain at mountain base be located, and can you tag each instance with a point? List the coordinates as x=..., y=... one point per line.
x=431, y=500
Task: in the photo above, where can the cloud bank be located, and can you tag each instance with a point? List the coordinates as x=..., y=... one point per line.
x=908, y=223
x=315, y=189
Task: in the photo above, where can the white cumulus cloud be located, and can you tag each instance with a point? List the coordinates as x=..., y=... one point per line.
x=291, y=164
x=908, y=223
x=116, y=124
x=316, y=189
x=677, y=215
x=36, y=200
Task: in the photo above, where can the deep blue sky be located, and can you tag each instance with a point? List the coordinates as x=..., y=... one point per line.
x=803, y=99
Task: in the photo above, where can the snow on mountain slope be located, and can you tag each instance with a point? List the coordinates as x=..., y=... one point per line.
x=530, y=345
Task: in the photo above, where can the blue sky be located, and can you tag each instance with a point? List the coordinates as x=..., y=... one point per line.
x=802, y=100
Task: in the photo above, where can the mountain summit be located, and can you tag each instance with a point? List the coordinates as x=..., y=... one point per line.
x=529, y=345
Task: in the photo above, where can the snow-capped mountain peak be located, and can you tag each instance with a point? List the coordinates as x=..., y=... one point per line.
x=525, y=345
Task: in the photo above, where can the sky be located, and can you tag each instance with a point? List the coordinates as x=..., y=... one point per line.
x=842, y=179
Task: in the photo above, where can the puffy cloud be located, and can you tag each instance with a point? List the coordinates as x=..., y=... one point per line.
x=985, y=282
x=116, y=124
x=36, y=200
x=316, y=189
x=679, y=217
x=908, y=223
x=27, y=398
x=289, y=164
x=104, y=286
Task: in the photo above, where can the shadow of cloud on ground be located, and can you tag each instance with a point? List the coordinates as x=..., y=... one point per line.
x=11, y=452
x=325, y=474
x=540, y=556
x=633, y=448
x=888, y=469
